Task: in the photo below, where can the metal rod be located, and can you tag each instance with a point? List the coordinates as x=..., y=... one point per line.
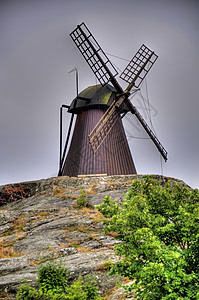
x=60, y=138
x=65, y=106
x=70, y=127
x=77, y=83
x=66, y=144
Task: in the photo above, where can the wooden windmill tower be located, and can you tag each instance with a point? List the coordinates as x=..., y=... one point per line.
x=99, y=144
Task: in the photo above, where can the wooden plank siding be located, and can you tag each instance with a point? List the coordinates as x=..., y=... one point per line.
x=112, y=158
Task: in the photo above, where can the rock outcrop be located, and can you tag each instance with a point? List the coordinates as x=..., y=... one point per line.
x=47, y=226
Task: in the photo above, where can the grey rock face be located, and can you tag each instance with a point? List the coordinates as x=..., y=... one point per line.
x=47, y=226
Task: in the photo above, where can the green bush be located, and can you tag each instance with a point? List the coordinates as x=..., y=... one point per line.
x=82, y=201
x=90, y=288
x=76, y=291
x=159, y=229
x=53, y=285
x=109, y=264
x=108, y=208
x=26, y=292
x=52, y=277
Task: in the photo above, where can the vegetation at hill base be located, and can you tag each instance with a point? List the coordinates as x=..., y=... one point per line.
x=53, y=285
x=158, y=226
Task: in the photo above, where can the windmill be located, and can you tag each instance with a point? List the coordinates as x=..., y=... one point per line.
x=99, y=144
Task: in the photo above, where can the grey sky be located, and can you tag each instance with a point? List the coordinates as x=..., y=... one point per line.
x=36, y=54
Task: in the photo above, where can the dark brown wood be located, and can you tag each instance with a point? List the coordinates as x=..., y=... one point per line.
x=112, y=158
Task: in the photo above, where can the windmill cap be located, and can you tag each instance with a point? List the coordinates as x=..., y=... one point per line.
x=93, y=96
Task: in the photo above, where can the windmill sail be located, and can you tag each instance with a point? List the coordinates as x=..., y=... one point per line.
x=104, y=70
x=152, y=135
x=95, y=56
x=138, y=67
x=105, y=124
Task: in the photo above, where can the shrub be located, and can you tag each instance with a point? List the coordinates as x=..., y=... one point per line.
x=108, y=208
x=82, y=201
x=12, y=193
x=52, y=277
x=76, y=292
x=26, y=292
x=52, y=281
x=90, y=288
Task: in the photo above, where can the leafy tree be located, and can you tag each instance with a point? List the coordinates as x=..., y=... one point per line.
x=159, y=229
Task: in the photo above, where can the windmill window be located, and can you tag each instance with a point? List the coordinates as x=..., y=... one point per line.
x=87, y=44
x=83, y=50
x=94, y=69
x=142, y=57
x=84, y=47
x=137, y=67
x=98, y=66
x=76, y=33
x=91, y=52
x=77, y=42
x=93, y=42
x=139, y=80
x=97, y=71
x=103, y=56
x=80, y=40
x=92, y=60
x=149, y=65
x=98, y=63
x=85, y=55
x=139, y=61
x=131, y=64
x=111, y=68
x=88, y=53
x=86, y=30
x=101, y=72
x=90, y=64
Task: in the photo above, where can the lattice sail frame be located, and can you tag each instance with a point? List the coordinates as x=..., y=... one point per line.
x=104, y=70
x=89, y=48
x=139, y=66
x=104, y=126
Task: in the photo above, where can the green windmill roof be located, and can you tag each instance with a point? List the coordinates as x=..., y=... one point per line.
x=92, y=96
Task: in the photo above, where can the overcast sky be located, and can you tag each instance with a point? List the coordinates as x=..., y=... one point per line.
x=36, y=54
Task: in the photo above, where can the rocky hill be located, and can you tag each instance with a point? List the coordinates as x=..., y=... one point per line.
x=42, y=223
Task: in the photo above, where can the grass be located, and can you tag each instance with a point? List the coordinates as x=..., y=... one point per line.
x=33, y=263
x=6, y=251
x=63, y=193
x=85, y=249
